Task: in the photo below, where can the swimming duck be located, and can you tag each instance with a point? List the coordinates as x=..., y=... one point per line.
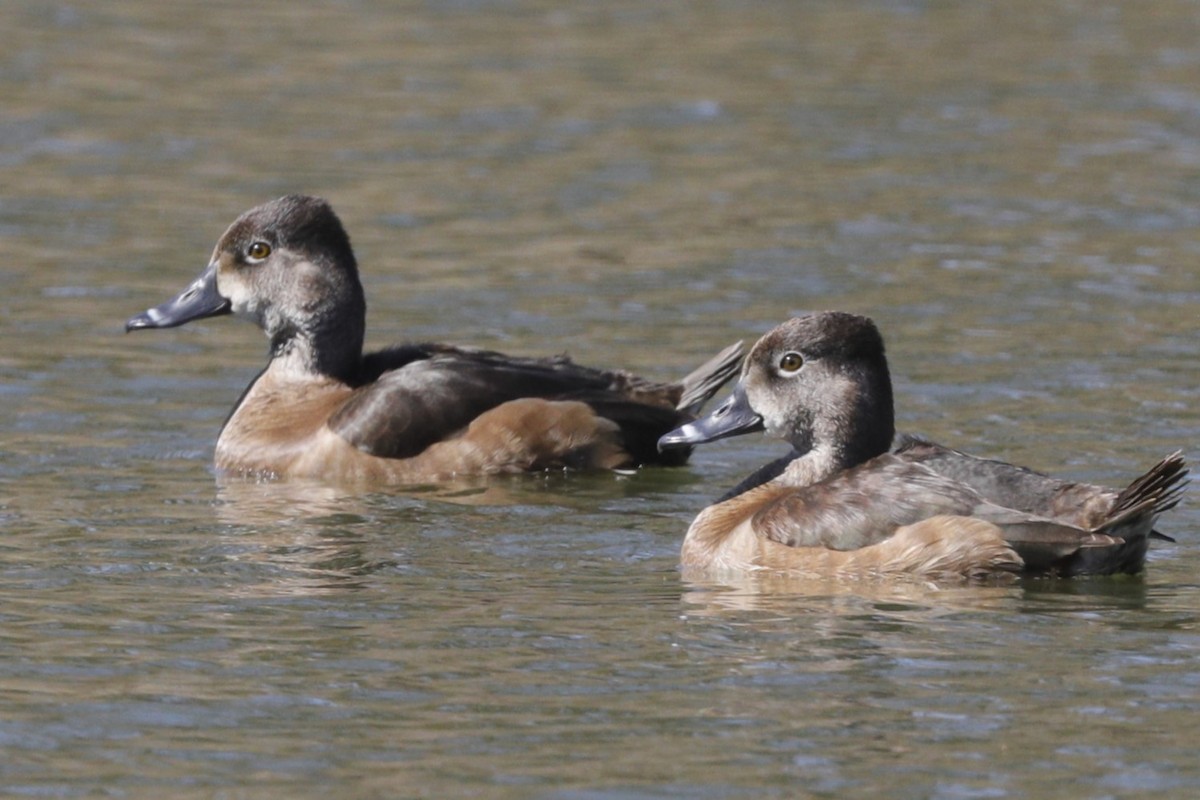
x=408, y=414
x=854, y=499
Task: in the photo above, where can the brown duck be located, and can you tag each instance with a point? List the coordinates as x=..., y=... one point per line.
x=412, y=413
x=854, y=499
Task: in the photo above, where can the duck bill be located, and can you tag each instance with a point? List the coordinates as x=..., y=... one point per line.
x=732, y=418
x=199, y=300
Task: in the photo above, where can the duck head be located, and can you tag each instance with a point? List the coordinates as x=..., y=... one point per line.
x=820, y=382
x=288, y=267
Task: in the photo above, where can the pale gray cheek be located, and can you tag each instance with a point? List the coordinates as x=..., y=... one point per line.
x=241, y=302
x=778, y=424
x=780, y=429
x=246, y=308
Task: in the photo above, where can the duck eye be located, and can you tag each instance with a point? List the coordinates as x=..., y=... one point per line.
x=790, y=362
x=258, y=251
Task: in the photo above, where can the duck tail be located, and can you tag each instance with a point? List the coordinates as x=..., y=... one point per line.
x=1129, y=525
x=1161, y=486
x=705, y=380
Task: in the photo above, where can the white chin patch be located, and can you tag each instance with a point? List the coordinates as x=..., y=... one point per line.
x=240, y=304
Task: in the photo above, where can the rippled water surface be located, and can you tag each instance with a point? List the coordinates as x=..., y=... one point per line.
x=1009, y=189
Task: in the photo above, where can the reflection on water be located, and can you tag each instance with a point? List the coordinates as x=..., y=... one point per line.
x=303, y=538
x=767, y=592
x=773, y=593
x=1009, y=191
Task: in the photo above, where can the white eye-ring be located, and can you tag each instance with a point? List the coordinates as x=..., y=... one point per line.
x=258, y=251
x=790, y=363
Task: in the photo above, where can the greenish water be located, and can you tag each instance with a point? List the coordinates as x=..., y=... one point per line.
x=1009, y=190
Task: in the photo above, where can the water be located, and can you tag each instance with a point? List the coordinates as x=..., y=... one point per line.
x=1009, y=191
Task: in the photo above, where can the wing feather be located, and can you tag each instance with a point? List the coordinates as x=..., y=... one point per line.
x=417, y=395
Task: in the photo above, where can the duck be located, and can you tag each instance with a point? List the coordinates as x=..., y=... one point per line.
x=853, y=498
x=412, y=413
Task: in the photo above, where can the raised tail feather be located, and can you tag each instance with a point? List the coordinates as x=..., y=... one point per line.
x=1164, y=483
x=703, y=382
x=1117, y=544
x=1128, y=525
x=1162, y=486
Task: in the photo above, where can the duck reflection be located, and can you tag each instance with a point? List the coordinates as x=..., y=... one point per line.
x=249, y=501
x=304, y=538
x=773, y=591
x=314, y=537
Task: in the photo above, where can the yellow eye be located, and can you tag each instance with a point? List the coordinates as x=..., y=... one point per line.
x=790, y=362
x=259, y=250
